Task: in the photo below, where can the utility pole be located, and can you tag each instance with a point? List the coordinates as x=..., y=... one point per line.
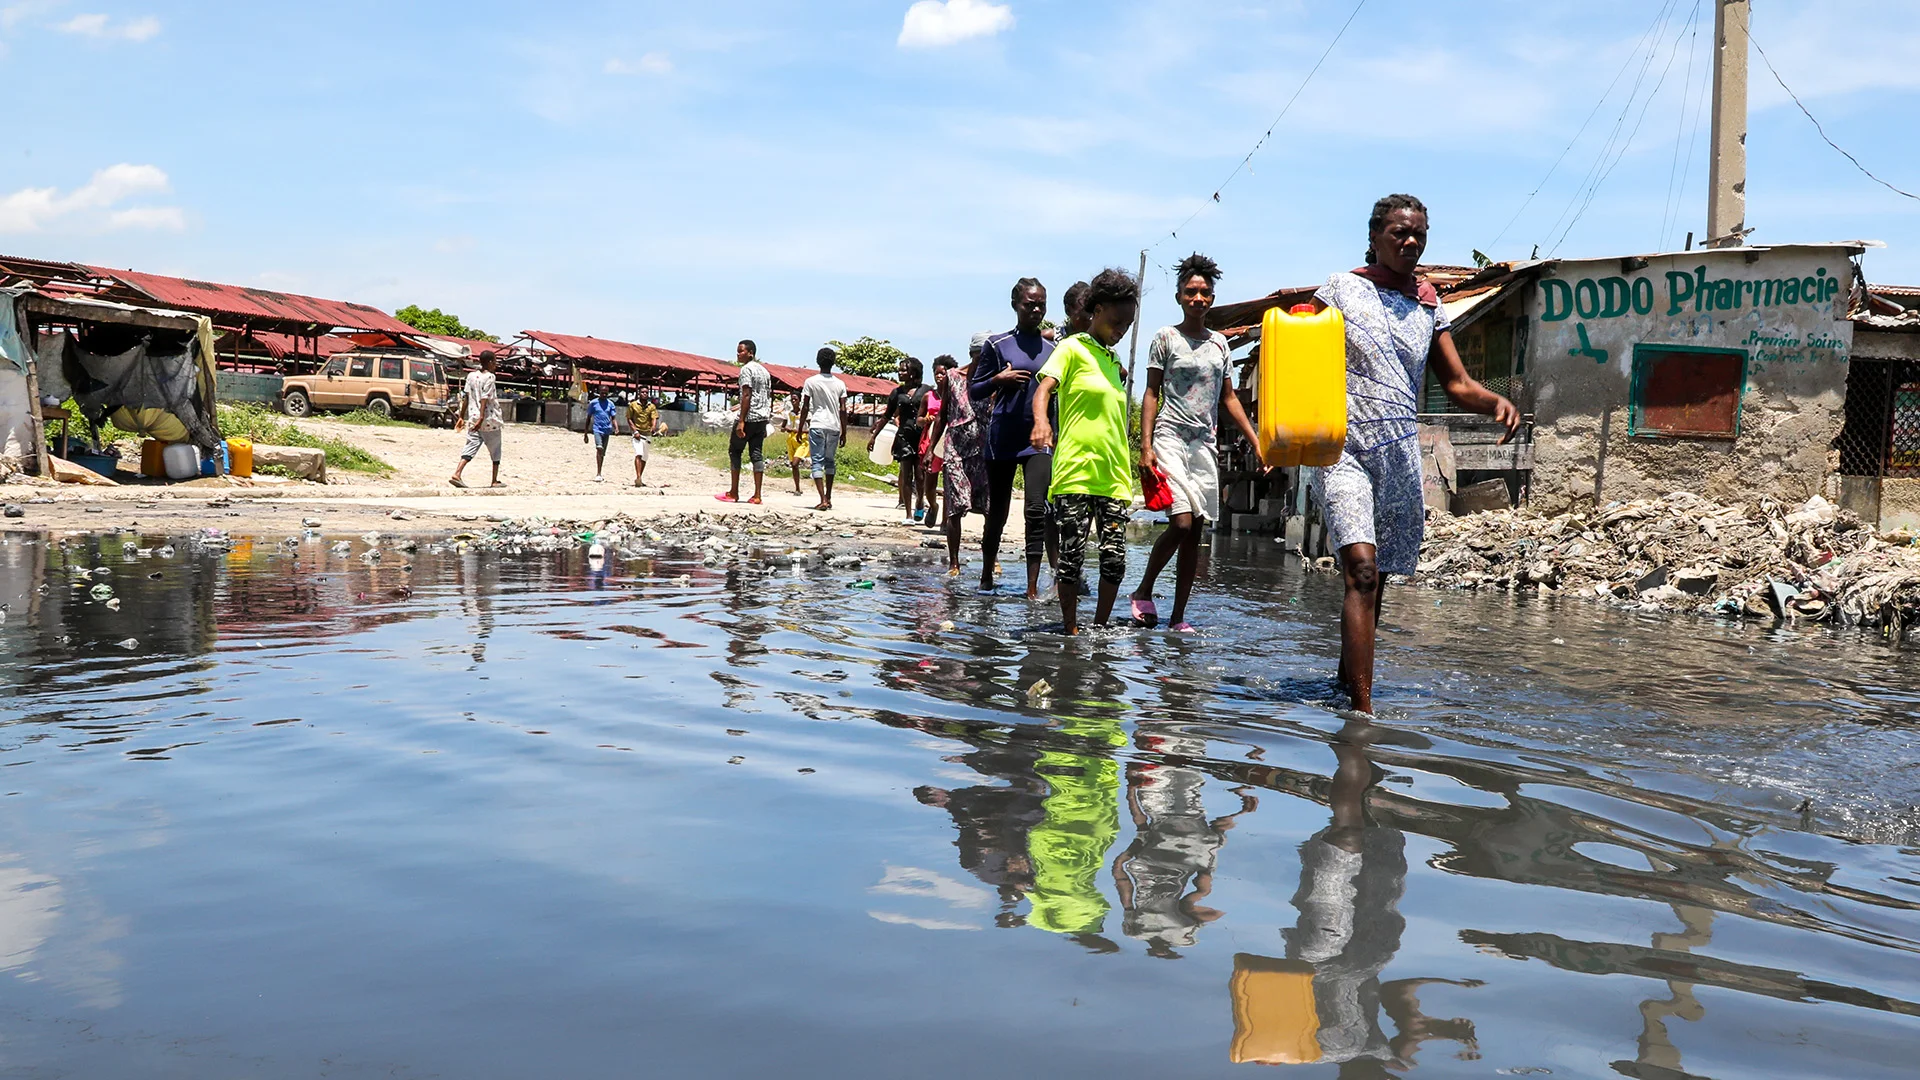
x=1134, y=346
x=1727, y=169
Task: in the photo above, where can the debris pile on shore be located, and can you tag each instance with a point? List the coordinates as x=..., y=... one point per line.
x=718, y=538
x=1688, y=553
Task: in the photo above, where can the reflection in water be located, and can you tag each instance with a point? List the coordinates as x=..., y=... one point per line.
x=1175, y=845
x=387, y=736
x=1323, y=1001
x=993, y=820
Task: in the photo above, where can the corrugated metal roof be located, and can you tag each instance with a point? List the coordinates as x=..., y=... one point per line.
x=280, y=346
x=865, y=384
x=790, y=378
x=238, y=303
x=626, y=354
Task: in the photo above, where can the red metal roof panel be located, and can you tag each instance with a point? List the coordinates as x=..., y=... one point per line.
x=626, y=354
x=241, y=303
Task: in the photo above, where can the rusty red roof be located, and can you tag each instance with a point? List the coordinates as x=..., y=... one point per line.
x=790, y=379
x=233, y=304
x=279, y=346
x=865, y=384
x=625, y=354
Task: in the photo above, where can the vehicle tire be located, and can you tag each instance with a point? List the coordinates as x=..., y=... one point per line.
x=296, y=404
x=380, y=407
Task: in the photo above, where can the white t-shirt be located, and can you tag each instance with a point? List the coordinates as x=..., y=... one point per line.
x=825, y=395
x=481, y=401
x=756, y=383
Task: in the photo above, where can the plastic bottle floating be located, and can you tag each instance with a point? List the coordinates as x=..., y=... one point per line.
x=1302, y=398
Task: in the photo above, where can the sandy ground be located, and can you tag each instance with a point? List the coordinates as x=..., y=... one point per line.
x=548, y=472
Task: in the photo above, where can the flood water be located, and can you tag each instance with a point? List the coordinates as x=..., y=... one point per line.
x=286, y=814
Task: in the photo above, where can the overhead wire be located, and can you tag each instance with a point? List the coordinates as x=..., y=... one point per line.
x=1574, y=202
x=1816, y=123
x=1693, y=141
x=1645, y=106
x=1668, y=210
x=1262, y=141
x=1595, y=111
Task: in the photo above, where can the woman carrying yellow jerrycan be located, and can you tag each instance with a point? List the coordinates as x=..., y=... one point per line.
x=1371, y=495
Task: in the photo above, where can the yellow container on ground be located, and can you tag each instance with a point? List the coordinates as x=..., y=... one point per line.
x=240, y=457
x=152, y=458
x=1301, y=410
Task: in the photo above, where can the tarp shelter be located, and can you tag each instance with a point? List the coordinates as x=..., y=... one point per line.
x=148, y=370
x=248, y=311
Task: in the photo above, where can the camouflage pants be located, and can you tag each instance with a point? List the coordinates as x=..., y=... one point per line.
x=1075, y=515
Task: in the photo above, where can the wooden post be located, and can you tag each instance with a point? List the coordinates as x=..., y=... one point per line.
x=36, y=424
x=1727, y=164
x=1133, y=347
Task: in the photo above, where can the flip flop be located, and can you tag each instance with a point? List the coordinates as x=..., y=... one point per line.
x=1144, y=613
x=456, y=482
x=1184, y=628
x=498, y=483
x=724, y=497
x=755, y=501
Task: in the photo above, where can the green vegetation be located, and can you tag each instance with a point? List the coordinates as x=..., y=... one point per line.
x=262, y=425
x=78, y=432
x=878, y=359
x=374, y=419
x=435, y=321
x=711, y=447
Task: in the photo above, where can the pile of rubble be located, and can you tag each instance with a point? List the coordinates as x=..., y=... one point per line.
x=1687, y=553
x=718, y=539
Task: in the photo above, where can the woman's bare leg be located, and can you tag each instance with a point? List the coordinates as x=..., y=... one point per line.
x=1359, y=621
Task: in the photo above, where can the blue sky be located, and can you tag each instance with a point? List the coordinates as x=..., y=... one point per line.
x=689, y=174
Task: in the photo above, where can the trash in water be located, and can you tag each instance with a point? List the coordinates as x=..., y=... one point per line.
x=101, y=592
x=860, y=585
x=1039, y=690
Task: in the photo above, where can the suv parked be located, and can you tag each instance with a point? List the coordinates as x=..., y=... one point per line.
x=387, y=384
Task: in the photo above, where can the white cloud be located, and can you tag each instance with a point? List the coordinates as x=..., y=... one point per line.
x=104, y=27
x=94, y=203
x=26, y=9
x=934, y=24
x=653, y=63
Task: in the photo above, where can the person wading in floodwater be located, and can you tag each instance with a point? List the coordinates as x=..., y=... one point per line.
x=1093, y=465
x=1371, y=496
x=958, y=435
x=1189, y=383
x=1002, y=378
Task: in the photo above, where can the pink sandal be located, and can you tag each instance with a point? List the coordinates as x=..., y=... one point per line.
x=1144, y=613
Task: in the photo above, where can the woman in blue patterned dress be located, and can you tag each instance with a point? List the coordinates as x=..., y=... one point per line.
x=1371, y=496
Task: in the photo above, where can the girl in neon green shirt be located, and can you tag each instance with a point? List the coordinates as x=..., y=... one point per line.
x=1092, y=465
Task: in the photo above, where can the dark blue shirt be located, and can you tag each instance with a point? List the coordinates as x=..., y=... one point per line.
x=1009, y=408
x=600, y=411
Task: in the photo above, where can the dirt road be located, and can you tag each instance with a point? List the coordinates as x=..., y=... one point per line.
x=548, y=472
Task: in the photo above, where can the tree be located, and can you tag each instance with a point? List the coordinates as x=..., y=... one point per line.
x=878, y=359
x=435, y=321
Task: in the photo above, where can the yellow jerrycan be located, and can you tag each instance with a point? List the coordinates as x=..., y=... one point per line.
x=1302, y=404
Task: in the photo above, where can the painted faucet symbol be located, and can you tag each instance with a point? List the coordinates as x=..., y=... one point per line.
x=1586, y=346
